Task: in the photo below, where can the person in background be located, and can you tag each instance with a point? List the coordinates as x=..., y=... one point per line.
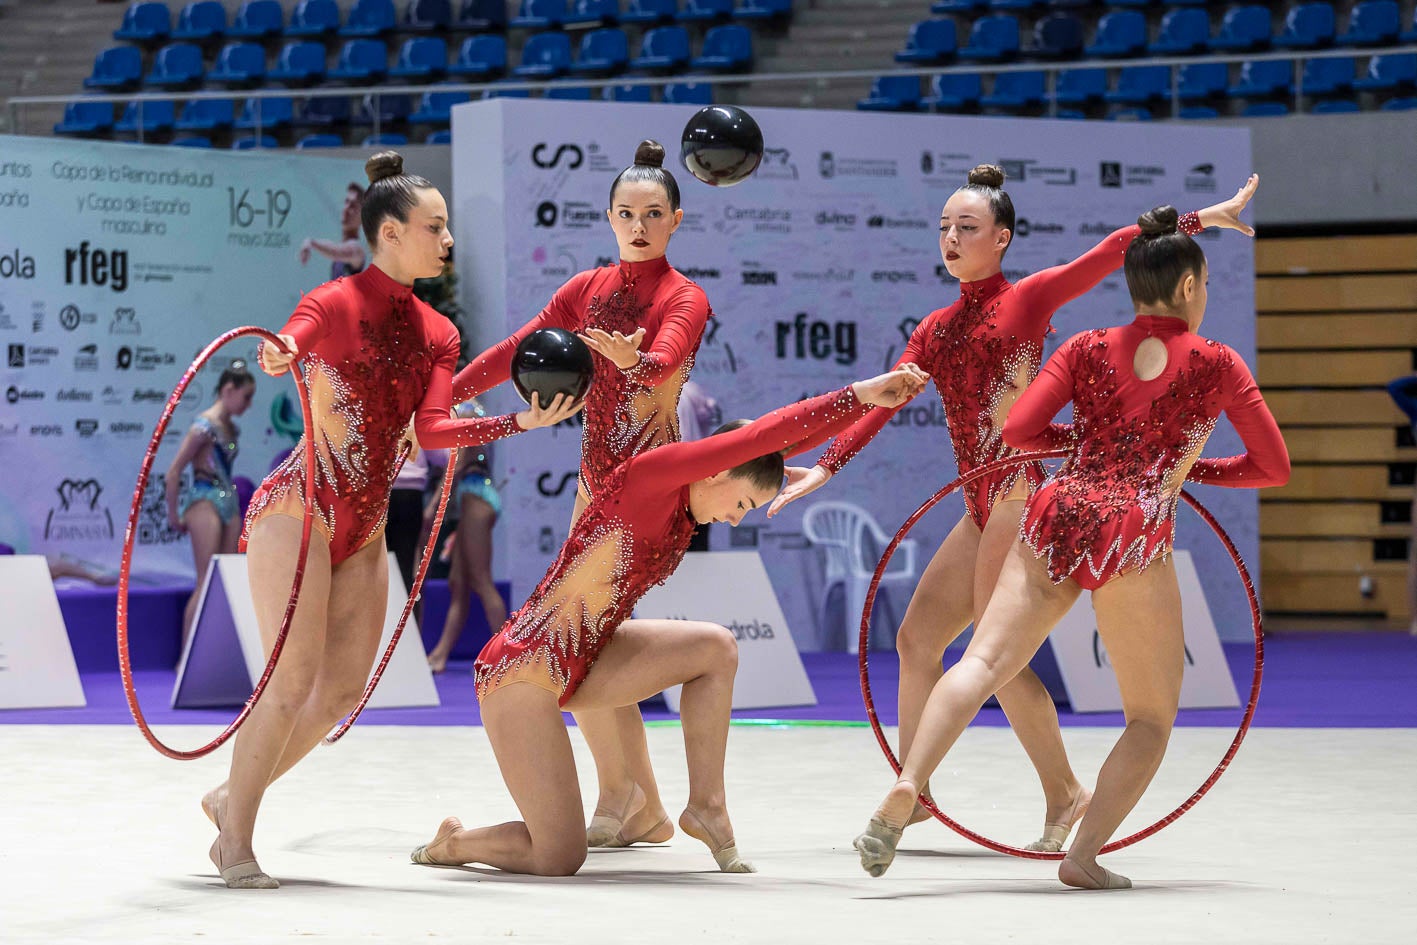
x=347, y=254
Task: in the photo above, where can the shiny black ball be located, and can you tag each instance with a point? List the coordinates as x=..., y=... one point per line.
x=552, y=361
x=722, y=145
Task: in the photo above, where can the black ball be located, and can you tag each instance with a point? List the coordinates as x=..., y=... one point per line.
x=552, y=361
x=722, y=145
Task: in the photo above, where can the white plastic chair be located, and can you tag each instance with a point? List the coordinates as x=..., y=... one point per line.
x=840, y=529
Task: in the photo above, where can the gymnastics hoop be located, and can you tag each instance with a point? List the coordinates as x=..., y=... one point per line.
x=926, y=802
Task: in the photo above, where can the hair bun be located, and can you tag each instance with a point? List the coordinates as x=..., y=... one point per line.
x=650, y=153
x=1158, y=221
x=384, y=164
x=987, y=175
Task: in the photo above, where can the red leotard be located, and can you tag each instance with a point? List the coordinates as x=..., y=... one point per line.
x=631, y=536
x=1111, y=508
x=373, y=356
x=982, y=351
x=630, y=411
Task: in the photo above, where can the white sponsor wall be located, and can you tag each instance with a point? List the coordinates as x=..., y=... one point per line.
x=118, y=263
x=818, y=268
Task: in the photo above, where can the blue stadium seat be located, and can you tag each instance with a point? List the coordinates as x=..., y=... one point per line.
x=602, y=52
x=1119, y=33
x=436, y=108
x=1129, y=114
x=1399, y=105
x=427, y=16
x=592, y=13
x=200, y=22
x=191, y=141
x=1080, y=86
x=206, y=114
x=955, y=92
x=176, y=65
x=1199, y=113
x=324, y=112
x=271, y=112
x=663, y=49
x=145, y=23
x=387, y=109
x=239, y=64
x=1389, y=72
x=1014, y=90
x=539, y=15
x=568, y=93
x=763, y=10
x=313, y=18
x=257, y=19
x=1373, y=23
x=1014, y=6
x=1183, y=31
x=1243, y=29
x=1264, y=78
x=481, y=57
x=992, y=38
x=1308, y=26
x=892, y=93
x=156, y=116
x=482, y=16
x=442, y=136
x=361, y=60
x=1057, y=36
x=628, y=93
x=705, y=11
x=1141, y=85
x=688, y=93
x=251, y=143
x=85, y=118
x=1265, y=110
x=300, y=63
x=958, y=6
x=507, y=93
x=1411, y=35
x=650, y=11
x=317, y=141
x=117, y=69
x=421, y=58
x=929, y=41
x=1069, y=114
x=1336, y=106
x=726, y=49
x=1328, y=76
x=388, y=139
x=369, y=18
x=545, y=56
x=1202, y=80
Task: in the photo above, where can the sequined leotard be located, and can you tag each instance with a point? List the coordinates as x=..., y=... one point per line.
x=632, y=536
x=1111, y=507
x=981, y=352
x=626, y=412
x=373, y=356
x=212, y=471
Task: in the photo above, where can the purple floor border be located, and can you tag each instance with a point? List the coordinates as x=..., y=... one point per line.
x=1312, y=680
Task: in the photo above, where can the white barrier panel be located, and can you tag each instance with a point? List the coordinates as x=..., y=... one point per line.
x=732, y=588
x=37, y=668
x=223, y=657
x=1087, y=672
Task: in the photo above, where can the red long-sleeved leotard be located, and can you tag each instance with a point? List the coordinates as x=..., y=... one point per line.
x=373, y=356
x=629, y=411
x=632, y=535
x=981, y=352
x=1111, y=508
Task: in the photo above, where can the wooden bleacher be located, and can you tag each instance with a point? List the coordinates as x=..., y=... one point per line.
x=1337, y=322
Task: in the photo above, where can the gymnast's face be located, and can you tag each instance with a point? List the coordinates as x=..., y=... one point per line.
x=724, y=497
x=971, y=244
x=237, y=397
x=421, y=244
x=643, y=221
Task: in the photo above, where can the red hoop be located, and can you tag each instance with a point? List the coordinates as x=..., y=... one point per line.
x=1190, y=802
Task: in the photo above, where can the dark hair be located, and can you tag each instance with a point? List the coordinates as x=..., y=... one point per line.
x=235, y=373
x=765, y=472
x=391, y=193
x=358, y=190
x=648, y=168
x=1159, y=258
x=987, y=180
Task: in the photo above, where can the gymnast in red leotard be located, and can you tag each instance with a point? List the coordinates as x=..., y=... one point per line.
x=573, y=645
x=1145, y=398
x=982, y=351
x=373, y=357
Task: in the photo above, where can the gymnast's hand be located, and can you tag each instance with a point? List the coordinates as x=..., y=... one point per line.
x=1226, y=216
x=562, y=408
x=623, y=351
x=800, y=482
x=892, y=389
x=276, y=362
